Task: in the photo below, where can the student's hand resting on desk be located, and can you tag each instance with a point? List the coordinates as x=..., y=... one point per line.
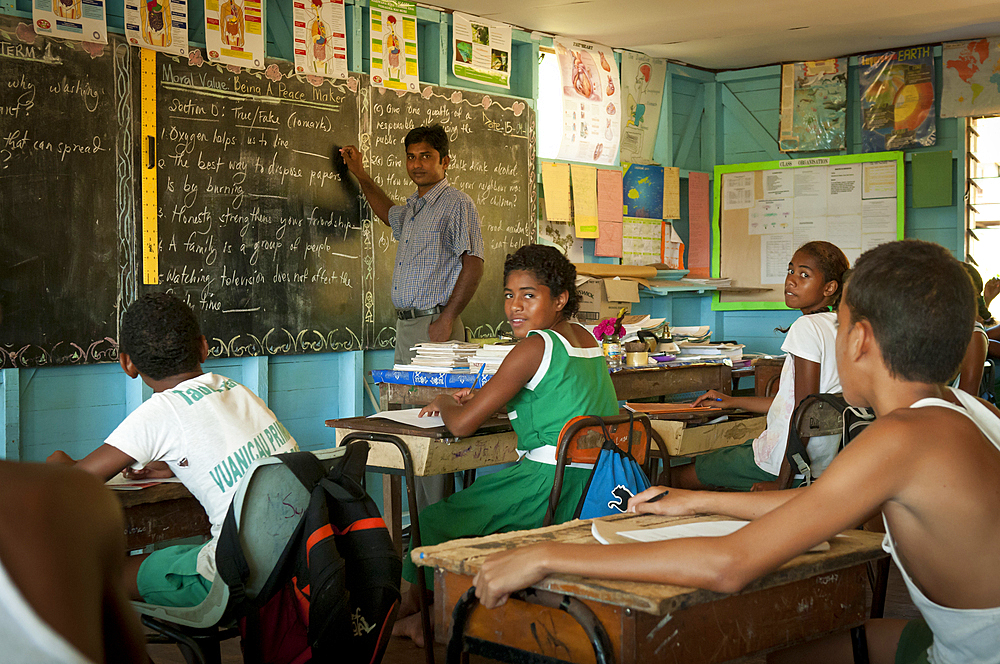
x=434, y=407
x=507, y=572
x=714, y=398
x=155, y=470
x=676, y=502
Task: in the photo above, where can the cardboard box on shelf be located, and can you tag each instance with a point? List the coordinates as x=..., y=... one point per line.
x=602, y=298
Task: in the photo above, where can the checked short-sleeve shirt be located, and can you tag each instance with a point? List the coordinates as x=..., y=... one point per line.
x=433, y=231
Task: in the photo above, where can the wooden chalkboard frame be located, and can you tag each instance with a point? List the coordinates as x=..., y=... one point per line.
x=717, y=213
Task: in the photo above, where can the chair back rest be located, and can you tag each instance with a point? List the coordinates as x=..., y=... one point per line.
x=268, y=506
x=583, y=436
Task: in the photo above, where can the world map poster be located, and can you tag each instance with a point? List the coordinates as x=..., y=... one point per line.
x=971, y=78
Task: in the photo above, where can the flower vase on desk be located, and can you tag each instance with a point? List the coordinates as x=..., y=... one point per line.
x=613, y=351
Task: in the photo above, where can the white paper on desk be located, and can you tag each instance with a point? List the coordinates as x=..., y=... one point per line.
x=410, y=417
x=683, y=530
x=119, y=483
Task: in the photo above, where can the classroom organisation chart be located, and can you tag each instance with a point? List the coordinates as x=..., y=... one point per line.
x=765, y=211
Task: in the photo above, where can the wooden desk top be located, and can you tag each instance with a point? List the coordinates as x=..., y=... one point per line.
x=153, y=494
x=465, y=557
x=380, y=425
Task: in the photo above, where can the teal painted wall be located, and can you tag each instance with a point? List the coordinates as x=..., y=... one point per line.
x=74, y=408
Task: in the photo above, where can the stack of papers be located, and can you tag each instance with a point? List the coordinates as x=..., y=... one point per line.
x=732, y=351
x=718, y=282
x=445, y=357
x=491, y=355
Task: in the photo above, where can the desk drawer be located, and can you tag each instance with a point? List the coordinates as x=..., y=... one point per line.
x=684, y=440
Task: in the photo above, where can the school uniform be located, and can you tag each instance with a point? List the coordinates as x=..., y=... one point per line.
x=207, y=430
x=569, y=382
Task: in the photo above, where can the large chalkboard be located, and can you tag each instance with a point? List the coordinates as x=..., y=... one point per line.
x=257, y=228
x=492, y=149
x=65, y=160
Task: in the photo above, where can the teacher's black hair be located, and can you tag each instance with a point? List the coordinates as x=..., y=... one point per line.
x=550, y=268
x=435, y=136
x=160, y=334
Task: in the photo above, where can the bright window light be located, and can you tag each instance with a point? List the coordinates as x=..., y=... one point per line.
x=550, y=111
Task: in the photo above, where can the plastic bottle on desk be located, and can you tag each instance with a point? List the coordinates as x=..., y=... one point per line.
x=613, y=352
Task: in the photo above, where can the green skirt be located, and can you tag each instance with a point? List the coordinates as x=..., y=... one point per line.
x=514, y=498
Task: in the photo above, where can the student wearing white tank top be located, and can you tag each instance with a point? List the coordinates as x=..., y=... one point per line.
x=929, y=463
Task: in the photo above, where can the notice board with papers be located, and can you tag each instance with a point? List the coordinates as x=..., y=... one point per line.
x=764, y=211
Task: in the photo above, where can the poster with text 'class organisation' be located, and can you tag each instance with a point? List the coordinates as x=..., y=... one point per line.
x=770, y=209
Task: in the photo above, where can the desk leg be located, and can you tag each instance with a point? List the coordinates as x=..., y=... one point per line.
x=392, y=506
x=411, y=495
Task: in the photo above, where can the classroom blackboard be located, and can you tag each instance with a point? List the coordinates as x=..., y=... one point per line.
x=125, y=171
x=65, y=158
x=258, y=230
x=492, y=149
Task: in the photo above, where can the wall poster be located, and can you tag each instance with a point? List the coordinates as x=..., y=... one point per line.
x=320, y=38
x=161, y=25
x=480, y=50
x=234, y=32
x=813, y=101
x=394, y=45
x=897, y=99
x=591, y=102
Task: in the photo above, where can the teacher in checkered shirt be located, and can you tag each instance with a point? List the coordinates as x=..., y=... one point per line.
x=439, y=260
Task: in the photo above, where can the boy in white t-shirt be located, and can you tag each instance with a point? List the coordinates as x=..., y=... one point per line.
x=202, y=428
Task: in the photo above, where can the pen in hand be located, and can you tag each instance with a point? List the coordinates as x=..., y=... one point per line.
x=658, y=496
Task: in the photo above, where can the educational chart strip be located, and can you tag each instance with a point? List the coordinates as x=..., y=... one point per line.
x=480, y=50
x=591, y=101
x=393, y=32
x=320, y=38
x=79, y=20
x=971, y=78
x=160, y=25
x=234, y=32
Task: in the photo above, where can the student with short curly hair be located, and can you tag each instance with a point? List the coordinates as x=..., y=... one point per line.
x=203, y=428
x=554, y=374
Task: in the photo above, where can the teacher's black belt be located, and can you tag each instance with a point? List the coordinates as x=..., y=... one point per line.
x=407, y=314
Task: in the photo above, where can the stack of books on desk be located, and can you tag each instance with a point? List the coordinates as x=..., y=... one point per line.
x=444, y=357
x=491, y=355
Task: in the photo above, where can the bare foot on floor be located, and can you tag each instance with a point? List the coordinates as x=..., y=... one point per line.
x=410, y=627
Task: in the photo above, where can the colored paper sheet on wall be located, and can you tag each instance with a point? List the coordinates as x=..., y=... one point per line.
x=160, y=25
x=672, y=250
x=932, y=179
x=591, y=102
x=584, y=180
x=393, y=32
x=79, y=20
x=642, y=89
x=234, y=32
x=897, y=99
x=671, y=192
x=555, y=183
x=609, y=242
x=699, y=233
x=480, y=50
x=813, y=102
x=971, y=78
x=559, y=234
x=642, y=190
x=642, y=241
x=609, y=194
x=320, y=38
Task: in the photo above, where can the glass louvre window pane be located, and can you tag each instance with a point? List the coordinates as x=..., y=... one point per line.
x=985, y=214
x=984, y=170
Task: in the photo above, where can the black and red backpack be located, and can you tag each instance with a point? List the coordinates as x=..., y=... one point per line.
x=334, y=593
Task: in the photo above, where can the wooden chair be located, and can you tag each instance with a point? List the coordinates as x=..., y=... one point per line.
x=263, y=530
x=815, y=417
x=581, y=439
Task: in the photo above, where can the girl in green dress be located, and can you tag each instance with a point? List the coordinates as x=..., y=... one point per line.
x=554, y=374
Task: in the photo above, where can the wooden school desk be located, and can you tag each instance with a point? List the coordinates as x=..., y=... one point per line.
x=161, y=512
x=812, y=595
x=630, y=384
